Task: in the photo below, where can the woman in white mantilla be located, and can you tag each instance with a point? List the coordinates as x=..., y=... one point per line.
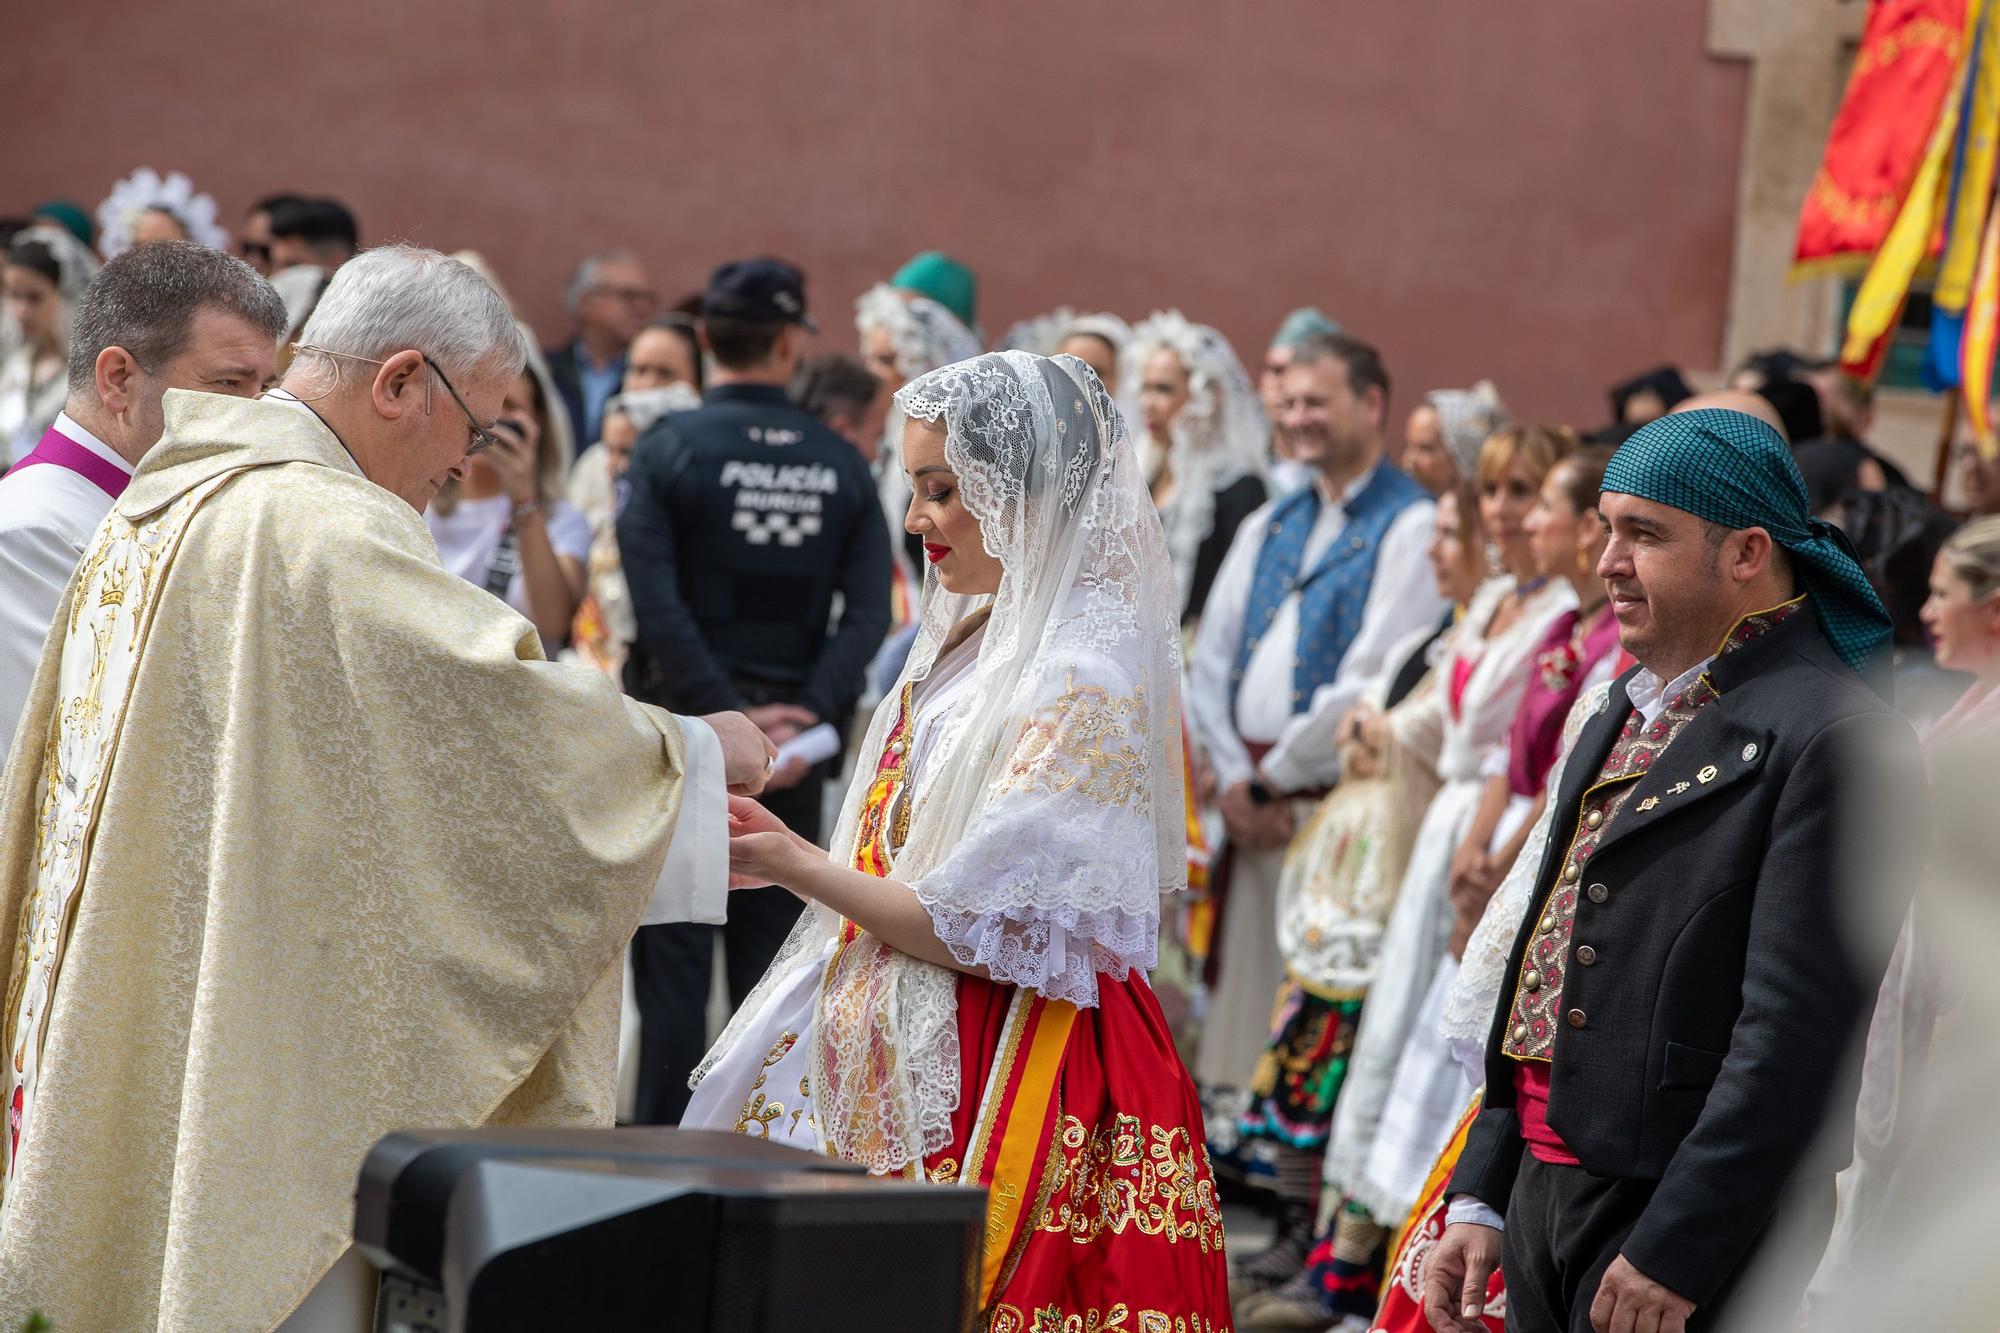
x=1202, y=449
x=46, y=272
x=967, y=999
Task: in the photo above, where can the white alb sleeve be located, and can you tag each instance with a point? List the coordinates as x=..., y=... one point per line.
x=694, y=880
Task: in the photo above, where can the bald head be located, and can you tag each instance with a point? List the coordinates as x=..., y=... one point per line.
x=1736, y=400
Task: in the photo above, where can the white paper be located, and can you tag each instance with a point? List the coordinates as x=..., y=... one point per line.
x=814, y=746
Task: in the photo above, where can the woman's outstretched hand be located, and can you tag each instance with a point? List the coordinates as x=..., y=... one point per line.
x=761, y=848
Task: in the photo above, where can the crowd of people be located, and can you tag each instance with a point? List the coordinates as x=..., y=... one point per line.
x=1511, y=767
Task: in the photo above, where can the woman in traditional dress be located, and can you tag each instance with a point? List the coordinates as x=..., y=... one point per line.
x=966, y=1000
x=1340, y=879
x=1496, y=866
x=1442, y=437
x=507, y=525
x=1918, y=993
x=1579, y=649
x=47, y=270
x=1202, y=449
x=903, y=335
x=1467, y=1018
x=1392, y=1120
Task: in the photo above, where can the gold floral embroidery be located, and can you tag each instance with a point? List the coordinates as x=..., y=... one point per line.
x=1088, y=739
x=1120, y=1318
x=1146, y=1177
x=110, y=610
x=946, y=1172
x=805, y=1100
x=757, y=1112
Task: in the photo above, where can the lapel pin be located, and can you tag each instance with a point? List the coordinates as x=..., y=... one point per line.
x=1749, y=752
x=1706, y=775
x=1648, y=803
x=1677, y=789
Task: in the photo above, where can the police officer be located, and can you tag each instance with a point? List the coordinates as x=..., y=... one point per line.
x=745, y=518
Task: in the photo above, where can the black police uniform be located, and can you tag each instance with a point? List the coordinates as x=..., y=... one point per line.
x=745, y=518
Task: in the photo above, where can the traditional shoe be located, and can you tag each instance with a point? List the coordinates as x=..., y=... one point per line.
x=1275, y=1310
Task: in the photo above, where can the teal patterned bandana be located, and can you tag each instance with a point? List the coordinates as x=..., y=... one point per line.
x=1303, y=323
x=1732, y=469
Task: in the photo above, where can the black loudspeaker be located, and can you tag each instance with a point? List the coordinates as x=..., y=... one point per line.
x=501, y=1229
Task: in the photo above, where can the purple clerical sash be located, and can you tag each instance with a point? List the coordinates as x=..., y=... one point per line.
x=61, y=451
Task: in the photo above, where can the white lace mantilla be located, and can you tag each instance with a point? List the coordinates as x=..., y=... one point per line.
x=1045, y=815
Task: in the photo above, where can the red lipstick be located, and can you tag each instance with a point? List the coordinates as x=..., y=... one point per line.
x=934, y=553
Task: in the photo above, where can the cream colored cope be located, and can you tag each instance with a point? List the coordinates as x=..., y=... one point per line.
x=305, y=843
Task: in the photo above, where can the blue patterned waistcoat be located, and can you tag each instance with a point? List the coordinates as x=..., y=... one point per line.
x=1334, y=592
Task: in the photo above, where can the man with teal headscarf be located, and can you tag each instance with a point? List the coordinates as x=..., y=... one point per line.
x=1687, y=983
x=1287, y=473
x=951, y=284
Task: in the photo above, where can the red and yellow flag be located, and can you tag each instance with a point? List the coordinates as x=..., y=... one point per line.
x=1905, y=68
x=1982, y=315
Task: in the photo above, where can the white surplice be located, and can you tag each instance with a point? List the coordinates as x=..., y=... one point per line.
x=48, y=515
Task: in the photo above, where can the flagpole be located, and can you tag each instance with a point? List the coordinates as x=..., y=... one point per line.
x=1947, y=433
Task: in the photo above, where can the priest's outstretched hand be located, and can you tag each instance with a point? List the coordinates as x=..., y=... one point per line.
x=747, y=753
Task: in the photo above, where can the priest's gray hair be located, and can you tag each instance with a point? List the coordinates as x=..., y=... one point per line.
x=397, y=298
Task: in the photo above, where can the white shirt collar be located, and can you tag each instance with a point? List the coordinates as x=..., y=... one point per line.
x=1651, y=697
x=66, y=425
x=1347, y=492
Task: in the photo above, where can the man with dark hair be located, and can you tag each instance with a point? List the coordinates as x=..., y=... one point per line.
x=312, y=231
x=846, y=396
x=310, y=240
x=744, y=519
x=610, y=299
x=1317, y=588
x=1707, y=929
x=254, y=242
x=172, y=315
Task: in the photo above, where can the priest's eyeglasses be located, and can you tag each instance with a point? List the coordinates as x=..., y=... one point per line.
x=482, y=438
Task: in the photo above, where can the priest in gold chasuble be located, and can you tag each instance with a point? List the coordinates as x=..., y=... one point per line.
x=305, y=841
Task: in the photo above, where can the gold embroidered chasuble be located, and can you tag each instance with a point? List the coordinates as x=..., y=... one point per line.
x=308, y=844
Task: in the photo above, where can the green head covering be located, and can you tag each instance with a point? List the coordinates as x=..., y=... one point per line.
x=951, y=284
x=1303, y=323
x=71, y=217
x=1732, y=469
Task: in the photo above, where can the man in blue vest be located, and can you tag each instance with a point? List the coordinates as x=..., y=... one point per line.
x=1316, y=589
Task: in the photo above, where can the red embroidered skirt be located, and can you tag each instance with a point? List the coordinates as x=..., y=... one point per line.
x=1085, y=1128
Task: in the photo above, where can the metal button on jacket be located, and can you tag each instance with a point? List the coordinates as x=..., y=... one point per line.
x=1569, y=873
x=1595, y=819
x=1597, y=893
x=1586, y=955
x=1520, y=1032
x=1533, y=980
x=1577, y=1018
